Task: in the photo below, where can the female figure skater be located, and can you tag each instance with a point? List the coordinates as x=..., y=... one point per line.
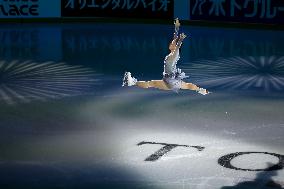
x=172, y=76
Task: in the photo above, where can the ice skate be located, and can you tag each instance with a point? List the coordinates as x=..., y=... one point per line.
x=128, y=80
x=203, y=91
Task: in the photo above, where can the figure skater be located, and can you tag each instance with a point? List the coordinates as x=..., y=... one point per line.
x=172, y=76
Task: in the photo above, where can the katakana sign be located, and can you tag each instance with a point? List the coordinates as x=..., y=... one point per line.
x=252, y=11
x=118, y=8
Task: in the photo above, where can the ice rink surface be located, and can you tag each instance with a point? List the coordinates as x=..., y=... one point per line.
x=95, y=140
x=67, y=125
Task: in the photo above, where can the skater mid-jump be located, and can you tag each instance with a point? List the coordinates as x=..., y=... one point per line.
x=172, y=76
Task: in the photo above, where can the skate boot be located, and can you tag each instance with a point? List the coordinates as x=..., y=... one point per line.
x=203, y=91
x=128, y=80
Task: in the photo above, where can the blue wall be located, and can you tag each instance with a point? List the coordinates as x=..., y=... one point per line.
x=244, y=11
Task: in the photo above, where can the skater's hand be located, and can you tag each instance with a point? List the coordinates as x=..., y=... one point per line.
x=182, y=36
x=177, y=23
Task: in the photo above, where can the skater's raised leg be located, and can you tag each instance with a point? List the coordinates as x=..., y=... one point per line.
x=190, y=86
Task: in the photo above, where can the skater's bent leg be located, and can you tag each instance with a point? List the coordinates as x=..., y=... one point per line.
x=159, y=84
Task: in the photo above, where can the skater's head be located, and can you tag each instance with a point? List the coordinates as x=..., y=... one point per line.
x=172, y=46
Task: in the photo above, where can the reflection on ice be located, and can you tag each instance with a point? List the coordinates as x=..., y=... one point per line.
x=26, y=81
x=239, y=73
